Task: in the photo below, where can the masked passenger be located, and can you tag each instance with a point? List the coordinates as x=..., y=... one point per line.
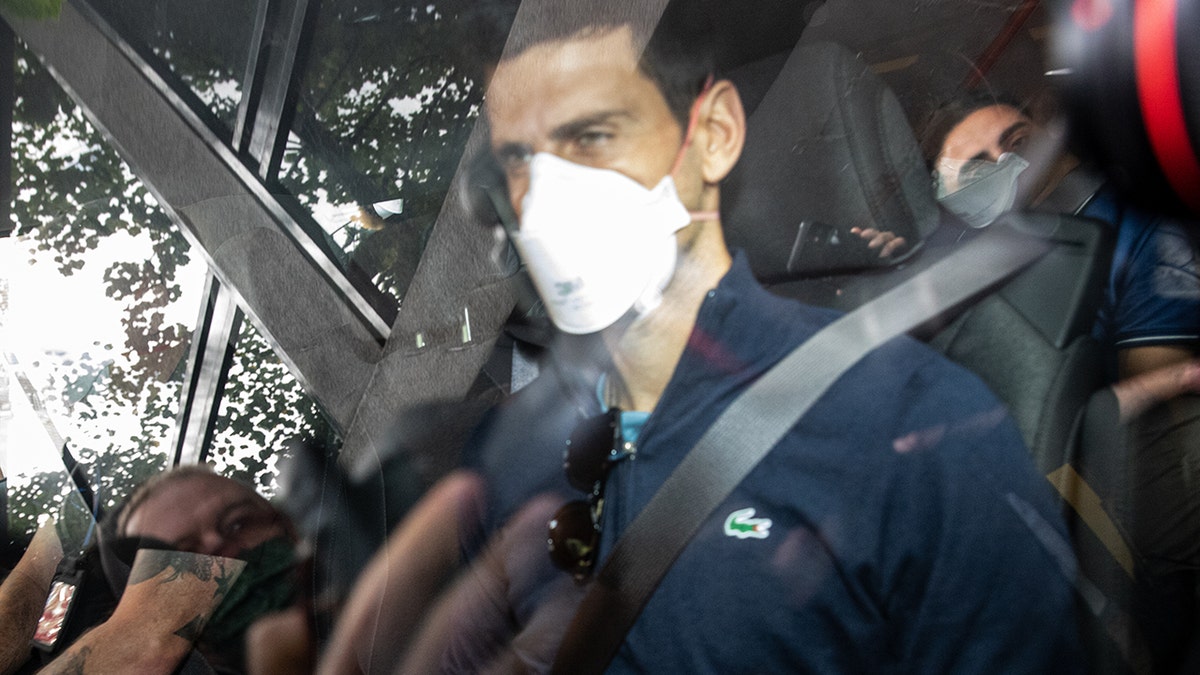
x=988, y=157
x=900, y=526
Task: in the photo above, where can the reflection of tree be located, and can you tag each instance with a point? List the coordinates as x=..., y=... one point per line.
x=73, y=193
x=387, y=105
x=48, y=493
x=205, y=43
x=262, y=409
x=54, y=493
x=384, y=111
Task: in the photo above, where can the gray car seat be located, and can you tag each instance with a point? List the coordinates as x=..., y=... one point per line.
x=828, y=143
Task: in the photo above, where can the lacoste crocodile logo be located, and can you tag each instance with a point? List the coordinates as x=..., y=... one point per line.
x=743, y=525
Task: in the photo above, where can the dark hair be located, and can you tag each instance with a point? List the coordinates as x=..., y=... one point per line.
x=679, y=52
x=947, y=116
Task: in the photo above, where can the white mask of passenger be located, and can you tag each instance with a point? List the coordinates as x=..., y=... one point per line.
x=986, y=189
x=596, y=242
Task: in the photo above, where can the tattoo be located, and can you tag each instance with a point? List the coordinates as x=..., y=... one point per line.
x=73, y=663
x=224, y=578
x=152, y=563
x=192, y=629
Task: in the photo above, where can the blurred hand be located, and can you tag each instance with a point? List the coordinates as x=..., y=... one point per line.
x=1138, y=393
x=280, y=643
x=887, y=242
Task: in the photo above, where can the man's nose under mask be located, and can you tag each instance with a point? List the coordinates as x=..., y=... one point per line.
x=596, y=242
x=989, y=190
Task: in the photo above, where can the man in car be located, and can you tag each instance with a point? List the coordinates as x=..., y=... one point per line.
x=900, y=525
x=989, y=156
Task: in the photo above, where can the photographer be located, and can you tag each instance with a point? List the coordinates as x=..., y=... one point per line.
x=195, y=558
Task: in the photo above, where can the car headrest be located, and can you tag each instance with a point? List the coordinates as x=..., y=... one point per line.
x=828, y=149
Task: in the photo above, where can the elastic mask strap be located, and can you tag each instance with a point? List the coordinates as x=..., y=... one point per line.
x=693, y=120
x=693, y=117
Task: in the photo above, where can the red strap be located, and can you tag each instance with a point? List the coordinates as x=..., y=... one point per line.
x=693, y=117
x=1157, y=72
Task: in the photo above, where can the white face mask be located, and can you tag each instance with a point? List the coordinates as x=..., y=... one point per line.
x=596, y=242
x=984, y=189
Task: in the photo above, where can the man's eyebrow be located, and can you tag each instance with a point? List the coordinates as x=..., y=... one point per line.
x=234, y=507
x=563, y=132
x=575, y=127
x=1013, y=128
x=512, y=150
x=222, y=515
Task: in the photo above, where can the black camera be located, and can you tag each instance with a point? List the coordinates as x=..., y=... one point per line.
x=1131, y=82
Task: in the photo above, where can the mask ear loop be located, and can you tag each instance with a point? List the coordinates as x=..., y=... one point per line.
x=693, y=120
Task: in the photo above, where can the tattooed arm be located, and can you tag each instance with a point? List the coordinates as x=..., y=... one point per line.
x=23, y=595
x=158, y=618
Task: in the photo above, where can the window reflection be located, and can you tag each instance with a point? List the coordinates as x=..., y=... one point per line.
x=386, y=105
x=263, y=407
x=101, y=296
x=206, y=44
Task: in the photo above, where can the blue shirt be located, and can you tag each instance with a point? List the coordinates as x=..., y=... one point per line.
x=1153, y=291
x=899, y=527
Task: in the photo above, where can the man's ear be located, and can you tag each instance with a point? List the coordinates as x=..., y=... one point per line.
x=720, y=131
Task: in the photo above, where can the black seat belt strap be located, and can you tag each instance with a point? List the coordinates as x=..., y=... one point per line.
x=747, y=430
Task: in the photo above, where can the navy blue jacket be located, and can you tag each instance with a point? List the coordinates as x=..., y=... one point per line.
x=908, y=530
x=1153, y=292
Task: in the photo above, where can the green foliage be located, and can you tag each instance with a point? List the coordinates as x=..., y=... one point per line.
x=32, y=9
x=384, y=111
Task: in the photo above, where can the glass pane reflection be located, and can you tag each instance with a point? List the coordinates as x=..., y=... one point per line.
x=207, y=44
x=263, y=407
x=387, y=103
x=100, y=299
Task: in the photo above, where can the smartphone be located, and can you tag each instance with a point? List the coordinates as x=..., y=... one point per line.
x=822, y=248
x=819, y=247
x=63, y=592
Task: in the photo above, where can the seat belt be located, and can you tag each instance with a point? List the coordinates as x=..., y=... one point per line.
x=1073, y=193
x=747, y=430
